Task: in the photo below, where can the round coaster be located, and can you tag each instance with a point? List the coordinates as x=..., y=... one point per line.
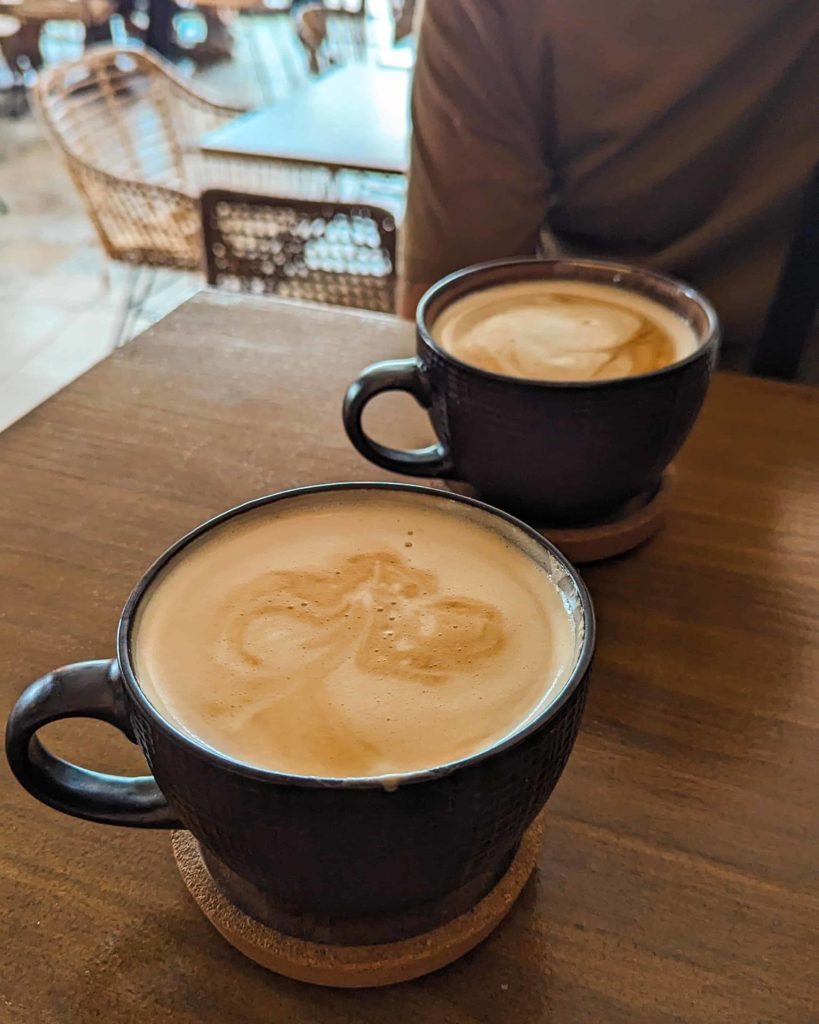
x=635, y=524
x=632, y=526
x=355, y=966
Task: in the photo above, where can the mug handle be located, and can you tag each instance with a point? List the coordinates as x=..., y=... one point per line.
x=88, y=689
x=393, y=375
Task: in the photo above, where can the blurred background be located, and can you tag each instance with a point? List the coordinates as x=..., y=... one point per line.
x=117, y=116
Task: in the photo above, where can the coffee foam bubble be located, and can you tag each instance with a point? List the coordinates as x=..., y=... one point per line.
x=352, y=637
x=563, y=331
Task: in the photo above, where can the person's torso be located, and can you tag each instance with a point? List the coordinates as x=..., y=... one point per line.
x=682, y=135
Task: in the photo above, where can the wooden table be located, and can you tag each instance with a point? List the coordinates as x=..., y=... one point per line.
x=353, y=118
x=677, y=879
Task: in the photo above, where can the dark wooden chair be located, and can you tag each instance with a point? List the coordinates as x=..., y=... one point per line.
x=338, y=253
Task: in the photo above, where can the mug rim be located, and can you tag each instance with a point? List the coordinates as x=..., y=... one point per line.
x=131, y=683
x=710, y=341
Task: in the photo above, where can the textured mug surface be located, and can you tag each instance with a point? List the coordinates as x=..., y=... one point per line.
x=557, y=453
x=318, y=857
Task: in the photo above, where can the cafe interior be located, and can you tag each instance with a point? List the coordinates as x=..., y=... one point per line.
x=501, y=318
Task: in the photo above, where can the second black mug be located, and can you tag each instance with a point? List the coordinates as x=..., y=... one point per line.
x=557, y=453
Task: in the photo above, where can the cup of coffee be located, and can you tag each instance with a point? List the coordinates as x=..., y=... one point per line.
x=356, y=697
x=558, y=389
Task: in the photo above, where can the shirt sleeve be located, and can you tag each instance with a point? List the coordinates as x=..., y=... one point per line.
x=480, y=178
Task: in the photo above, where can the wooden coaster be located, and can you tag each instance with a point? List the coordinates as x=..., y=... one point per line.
x=355, y=966
x=633, y=525
x=636, y=524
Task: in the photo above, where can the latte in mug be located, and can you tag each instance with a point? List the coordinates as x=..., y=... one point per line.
x=353, y=635
x=563, y=330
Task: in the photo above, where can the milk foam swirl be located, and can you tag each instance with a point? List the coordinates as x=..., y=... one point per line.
x=352, y=638
x=563, y=331
x=388, y=614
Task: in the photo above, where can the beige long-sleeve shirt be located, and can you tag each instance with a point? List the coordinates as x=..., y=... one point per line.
x=676, y=134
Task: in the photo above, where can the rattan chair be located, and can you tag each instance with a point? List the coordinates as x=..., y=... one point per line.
x=337, y=253
x=332, y=34
x=129, y=129
x=403, y=14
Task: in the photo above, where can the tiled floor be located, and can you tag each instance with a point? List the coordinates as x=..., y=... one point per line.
x=60, y=300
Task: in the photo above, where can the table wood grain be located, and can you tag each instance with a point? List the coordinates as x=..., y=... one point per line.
x=356, y=117
x=677, y=880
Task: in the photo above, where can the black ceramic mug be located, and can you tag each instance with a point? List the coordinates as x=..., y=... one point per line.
x=558, y=453
x=345, y=860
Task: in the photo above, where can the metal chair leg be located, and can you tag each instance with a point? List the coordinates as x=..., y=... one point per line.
x=139, y=286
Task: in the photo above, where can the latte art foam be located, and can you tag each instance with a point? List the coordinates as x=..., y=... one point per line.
x=352, y=638
x=373, y=608
x=563, y=331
